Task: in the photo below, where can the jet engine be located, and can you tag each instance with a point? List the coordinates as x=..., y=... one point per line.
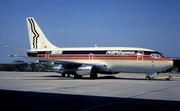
x=82, y=70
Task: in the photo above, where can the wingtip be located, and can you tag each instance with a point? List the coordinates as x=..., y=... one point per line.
x=6, y=46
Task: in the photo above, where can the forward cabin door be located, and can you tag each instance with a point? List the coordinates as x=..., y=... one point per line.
x=140, y=55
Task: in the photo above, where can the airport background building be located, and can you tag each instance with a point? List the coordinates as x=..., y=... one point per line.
x=19, y=65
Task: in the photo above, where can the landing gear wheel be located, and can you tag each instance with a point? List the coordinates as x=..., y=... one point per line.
x=169, y=77
x=68, y=75
x=77, y=76
x=63, y=75
x=93, y=76
x=148, y=78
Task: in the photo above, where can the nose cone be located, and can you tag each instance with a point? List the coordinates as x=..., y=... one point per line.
x=169, y=64
x=164, y=64
x=172, y=63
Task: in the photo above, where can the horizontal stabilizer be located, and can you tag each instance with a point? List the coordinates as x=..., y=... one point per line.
x=22, y=50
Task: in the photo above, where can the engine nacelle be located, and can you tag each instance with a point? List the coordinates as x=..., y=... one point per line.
x=85, y=70
x=82, y=70
x=56, y=68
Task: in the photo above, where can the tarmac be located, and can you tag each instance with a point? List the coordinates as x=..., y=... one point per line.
x=49, y=91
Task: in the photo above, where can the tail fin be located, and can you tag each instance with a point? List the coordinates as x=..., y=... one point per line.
x=37, y=39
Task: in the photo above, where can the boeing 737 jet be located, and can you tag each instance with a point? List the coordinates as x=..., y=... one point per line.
x=93, y=60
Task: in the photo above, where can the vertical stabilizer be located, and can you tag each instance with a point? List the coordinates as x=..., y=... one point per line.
x=37, y=38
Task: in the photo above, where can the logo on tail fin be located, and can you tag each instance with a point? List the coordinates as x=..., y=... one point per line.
x=36, y=35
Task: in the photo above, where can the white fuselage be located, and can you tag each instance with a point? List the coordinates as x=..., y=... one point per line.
x=113, y=59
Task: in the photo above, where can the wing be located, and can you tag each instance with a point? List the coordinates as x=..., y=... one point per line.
x=100, y=65
x=45, y=59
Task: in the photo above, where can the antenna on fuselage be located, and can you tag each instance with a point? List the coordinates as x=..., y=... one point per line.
x=95, y=45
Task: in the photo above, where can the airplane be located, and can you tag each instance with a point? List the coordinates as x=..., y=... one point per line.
x=81, y=61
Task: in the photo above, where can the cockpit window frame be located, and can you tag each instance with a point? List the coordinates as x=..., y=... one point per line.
x=156, y=55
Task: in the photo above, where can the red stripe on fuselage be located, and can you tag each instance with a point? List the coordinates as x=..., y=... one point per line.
x=99, y=57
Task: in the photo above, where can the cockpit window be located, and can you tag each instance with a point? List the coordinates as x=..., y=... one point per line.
x=158, y=56
x=155, y=55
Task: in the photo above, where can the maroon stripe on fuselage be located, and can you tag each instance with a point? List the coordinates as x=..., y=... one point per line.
x=100, y=57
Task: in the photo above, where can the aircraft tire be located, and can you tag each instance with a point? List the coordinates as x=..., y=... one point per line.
x=93, y=76
x=63, y=75
x=77, y=76
x=68, y=75
x=169, y=77
x=148, y=78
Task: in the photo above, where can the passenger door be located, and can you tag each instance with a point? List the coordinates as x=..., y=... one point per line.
x=140, y=55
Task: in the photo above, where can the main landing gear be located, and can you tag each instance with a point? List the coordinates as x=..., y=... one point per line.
x=64, y=75
x=93, y=76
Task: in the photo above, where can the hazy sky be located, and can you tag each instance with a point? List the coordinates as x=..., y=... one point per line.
x=153, y=24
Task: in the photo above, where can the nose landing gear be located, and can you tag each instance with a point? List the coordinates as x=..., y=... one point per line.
x=158, y=77
x=148, y=78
